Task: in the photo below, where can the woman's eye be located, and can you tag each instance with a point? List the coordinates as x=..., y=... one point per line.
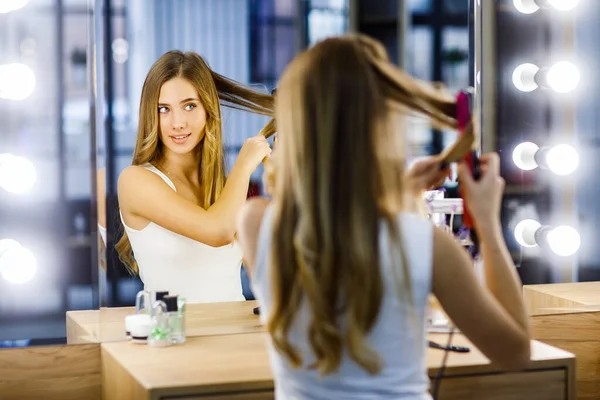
x=190, y=107
x=162, y=109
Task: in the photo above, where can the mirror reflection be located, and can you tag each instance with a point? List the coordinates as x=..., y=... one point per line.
x=143, y=147
x=47, y=248
x=170, y=212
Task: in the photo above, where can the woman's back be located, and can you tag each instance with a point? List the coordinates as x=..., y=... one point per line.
x=398, y=336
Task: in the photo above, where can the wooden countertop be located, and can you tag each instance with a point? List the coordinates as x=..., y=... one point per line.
x=240, y=363
x=108, y=324
x=562, y=298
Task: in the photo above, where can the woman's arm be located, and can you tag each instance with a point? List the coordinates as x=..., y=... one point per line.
x=248, y=228
x=494, y=319
x=144, y=194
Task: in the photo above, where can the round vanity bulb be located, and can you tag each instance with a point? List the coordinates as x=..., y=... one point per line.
x=17, y=265
x=563, y=5
x=524, y=156
x=17, y=81
x=526, y=6
x=7, y=6
x=17, y=174
x=562, y=159
x=523, y=77
x=563, y=77
x=564, y=240
x=8, y=244
x=525, y=232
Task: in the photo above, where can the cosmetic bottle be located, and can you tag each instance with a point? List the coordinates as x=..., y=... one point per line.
x=160, y=333
x=142, y=307
x=140, y=327
x=142, y=302
x=176, y=319
x=159, y=295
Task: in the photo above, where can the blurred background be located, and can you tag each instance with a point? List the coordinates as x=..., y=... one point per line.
x=71, y=73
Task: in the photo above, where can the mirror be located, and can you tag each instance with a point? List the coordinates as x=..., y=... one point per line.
x=541, y=85
x=252, y=45
x=48, y=252
x=250, y=42
x=87, y=126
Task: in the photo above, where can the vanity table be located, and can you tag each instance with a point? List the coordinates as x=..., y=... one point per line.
x=108, y=324
x=567, y=315
x=228, y=360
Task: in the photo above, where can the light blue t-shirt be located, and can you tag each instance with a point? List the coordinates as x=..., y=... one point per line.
x=400, y=344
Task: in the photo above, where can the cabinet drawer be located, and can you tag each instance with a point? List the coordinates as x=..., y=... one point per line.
x=260, y=395
x=534, y=385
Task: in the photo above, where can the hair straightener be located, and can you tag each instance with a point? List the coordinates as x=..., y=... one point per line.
x=464, y=149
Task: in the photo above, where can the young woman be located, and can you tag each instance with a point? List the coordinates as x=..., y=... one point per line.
x=341, y=270
x=177, y=207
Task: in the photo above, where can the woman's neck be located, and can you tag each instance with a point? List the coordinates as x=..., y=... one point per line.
x=181, y=166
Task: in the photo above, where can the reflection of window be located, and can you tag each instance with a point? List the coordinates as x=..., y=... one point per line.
x=327, y=18
x=76, y=110
x=455, y=57
x=438, y=48
x=419, y=6
x=272, y=39
x=419, y=52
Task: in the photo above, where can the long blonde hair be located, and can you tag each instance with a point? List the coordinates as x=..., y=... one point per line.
x=213, y=90
x=339, y=175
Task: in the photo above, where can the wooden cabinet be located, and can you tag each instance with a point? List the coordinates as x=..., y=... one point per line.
x=567, y=315
x=237, y=367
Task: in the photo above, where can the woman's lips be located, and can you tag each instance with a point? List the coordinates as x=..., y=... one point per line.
x=180, y=139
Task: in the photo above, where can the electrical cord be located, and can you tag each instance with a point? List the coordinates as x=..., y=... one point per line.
x=440, y=374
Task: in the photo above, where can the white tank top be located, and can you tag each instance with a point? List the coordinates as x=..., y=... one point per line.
x=397, y=337
x=183, y=266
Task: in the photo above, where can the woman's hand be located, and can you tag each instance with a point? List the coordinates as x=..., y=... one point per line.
x=426, y=174
x=254, y=150
x=269, y=173
x=485, y=195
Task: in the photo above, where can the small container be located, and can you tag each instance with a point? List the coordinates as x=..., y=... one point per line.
x=139, y=326
x=176, y=319
x=143, y=302
x=160, y=334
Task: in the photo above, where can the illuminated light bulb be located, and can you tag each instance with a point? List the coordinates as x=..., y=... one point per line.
x=525, y=232
x=524, y=156
x=7, y=244
x=17, y=264
x=523, y=77
x=562, y=240
x=531, y=6
x=562, y=159
x=17, y=174
x=7, y=6
x=17, y=81
x=563, y=5
x=563, y=77
x=526, y=6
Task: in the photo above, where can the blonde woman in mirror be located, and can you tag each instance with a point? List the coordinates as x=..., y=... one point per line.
x=177, y=206
x=341, y=270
